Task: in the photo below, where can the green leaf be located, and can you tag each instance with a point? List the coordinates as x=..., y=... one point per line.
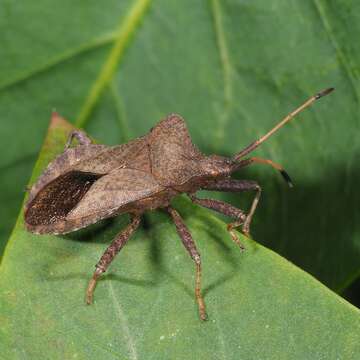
x=259, y=305
x=231, y=68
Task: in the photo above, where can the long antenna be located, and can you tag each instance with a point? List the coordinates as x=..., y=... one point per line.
x=287, y=118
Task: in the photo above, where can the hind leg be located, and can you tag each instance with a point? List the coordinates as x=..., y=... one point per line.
x=109, y=255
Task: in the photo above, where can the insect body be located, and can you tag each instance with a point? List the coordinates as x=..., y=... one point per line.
x=90, y=182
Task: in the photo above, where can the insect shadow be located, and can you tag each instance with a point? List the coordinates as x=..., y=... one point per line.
x=99, y=233
x=94, y=233
x=152, y=230
x=310, y=223
x=152, y=227
x=306, y=225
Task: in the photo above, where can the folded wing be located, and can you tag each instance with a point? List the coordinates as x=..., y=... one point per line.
x=77, y=199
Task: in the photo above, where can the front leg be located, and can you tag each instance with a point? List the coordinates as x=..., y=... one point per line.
x=232, y=185
x=225, y=209
x=80, y=136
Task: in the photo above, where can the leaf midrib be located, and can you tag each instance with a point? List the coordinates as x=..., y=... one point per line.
x=92, y=44
x=123, y=35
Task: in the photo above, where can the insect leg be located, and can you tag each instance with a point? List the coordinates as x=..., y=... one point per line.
x=225, y=209
x=189, y=244
x=80, y=136
x=233, y=185
x=109, y=255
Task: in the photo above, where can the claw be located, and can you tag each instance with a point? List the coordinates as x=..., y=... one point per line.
x=235, y=238
x=90, y=292
x=91, y=287
x=246, y=232
x=203, y=315
x=246, y=228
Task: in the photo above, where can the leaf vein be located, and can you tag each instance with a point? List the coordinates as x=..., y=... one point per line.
x=344, y=61
x=120, y=113
x=225, y=65
x=123, y=35
x=57, y=60
x=220, y=335
x=124, y=324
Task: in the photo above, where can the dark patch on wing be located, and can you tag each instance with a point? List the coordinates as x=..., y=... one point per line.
x=59, y=197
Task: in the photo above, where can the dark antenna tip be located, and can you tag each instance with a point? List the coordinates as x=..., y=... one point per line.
x=324, y=93
x=287, y=178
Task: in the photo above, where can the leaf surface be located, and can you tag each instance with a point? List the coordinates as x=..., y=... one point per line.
x=231, y=68
x=259, y=305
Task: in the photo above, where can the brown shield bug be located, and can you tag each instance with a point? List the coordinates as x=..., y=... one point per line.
x=90, y=182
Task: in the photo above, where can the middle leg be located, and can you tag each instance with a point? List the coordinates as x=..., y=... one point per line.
x=189, y=244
